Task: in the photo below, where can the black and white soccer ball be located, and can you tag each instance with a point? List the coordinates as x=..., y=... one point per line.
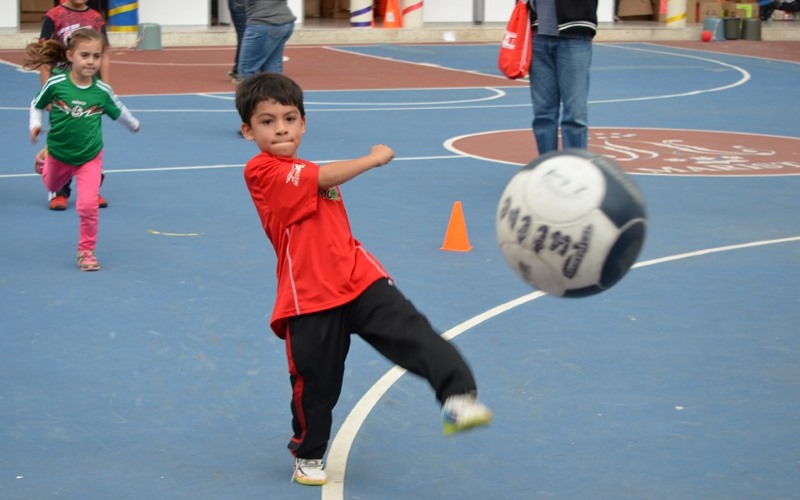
x=571, y=223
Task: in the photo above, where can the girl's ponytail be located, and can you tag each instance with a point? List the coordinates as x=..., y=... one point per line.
x=44, y=53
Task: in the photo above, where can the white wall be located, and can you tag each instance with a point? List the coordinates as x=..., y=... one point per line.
x=443, y=11
x=494, y=11
x=296, y=6
x=164, y=12
x=9, y=13
x=460, y=11
x=605, y=11
x=198, y=12
x=175, y=12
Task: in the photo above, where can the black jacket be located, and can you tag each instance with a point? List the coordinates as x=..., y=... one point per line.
x=575, y=17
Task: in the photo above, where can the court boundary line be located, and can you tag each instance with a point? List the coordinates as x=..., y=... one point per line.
x=706, y=51
x=342, y=443
x=449, y=145
x=224, y=166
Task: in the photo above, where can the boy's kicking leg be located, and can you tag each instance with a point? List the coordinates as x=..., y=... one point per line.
x=384, y=318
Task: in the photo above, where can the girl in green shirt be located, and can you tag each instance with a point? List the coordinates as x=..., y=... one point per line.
x=75, y=140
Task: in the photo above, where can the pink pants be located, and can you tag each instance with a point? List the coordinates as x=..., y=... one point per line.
x=87, y=178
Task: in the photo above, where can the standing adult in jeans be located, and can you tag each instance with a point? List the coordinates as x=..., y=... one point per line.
x=239, y=20
x=559, y=74
x=270, y=23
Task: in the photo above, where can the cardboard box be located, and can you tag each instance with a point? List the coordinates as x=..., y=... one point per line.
x=35, y=5
x=745, y=9
x=338, y=9
x=710, y=9
x=31, y=17
x=629, y=8
x=311, y=8
x=33, y=11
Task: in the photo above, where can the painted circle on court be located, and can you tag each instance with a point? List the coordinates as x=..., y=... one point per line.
x=652, y=151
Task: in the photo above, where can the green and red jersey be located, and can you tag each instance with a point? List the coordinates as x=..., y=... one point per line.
x=75, y=134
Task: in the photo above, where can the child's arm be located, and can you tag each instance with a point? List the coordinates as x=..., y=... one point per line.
x=127, y=119
x=35, y=122
x=117, y=110
x=339, y=172
x=105, y=66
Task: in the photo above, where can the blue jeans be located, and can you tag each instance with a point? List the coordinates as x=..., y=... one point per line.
x=560, y=76
x=239, y=20
x=262, y=48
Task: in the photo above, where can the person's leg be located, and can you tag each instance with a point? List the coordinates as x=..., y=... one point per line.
x=544, y=93
x=56, y=174
x=87, y=179
x=385, y=319
x=316, y=348
x=279, y=35
x=60, y=198
x=252, y=56
x=574, y=60
x=765, y=9
x=239, y=20
x=388, y=321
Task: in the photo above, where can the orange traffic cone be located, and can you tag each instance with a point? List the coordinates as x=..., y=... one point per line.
x=456, y=239
x=393, y=18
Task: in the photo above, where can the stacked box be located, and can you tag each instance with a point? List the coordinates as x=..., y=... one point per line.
x=710, y=9
x=743, y=9
x=635, y=8
x=32, y=11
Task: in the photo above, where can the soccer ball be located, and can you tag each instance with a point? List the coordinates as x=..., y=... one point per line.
x=571, y=223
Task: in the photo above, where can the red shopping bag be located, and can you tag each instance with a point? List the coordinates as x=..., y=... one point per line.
x=515, y=50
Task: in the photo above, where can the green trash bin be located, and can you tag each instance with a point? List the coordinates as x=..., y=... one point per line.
x=733, y=26
x=149, y=37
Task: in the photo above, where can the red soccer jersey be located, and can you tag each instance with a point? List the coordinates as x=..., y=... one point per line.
x=320, y=264
x=60, y=22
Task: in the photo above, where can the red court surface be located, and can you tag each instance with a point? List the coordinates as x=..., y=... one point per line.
x=202, y=69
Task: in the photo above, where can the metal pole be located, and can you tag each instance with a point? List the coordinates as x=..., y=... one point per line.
x=477, y=11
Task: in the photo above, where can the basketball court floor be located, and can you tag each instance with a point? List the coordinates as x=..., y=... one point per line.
x=158, y=377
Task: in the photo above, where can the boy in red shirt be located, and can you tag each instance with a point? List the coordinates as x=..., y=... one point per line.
x=329, y=286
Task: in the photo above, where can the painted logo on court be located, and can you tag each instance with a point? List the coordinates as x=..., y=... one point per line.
x=694, y=152
x=657, y=151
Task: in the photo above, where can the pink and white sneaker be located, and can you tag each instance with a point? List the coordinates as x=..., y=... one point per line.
x=87, y=261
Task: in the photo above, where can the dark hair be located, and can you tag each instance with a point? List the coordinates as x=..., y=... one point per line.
x=267, y=87
x=52, y=52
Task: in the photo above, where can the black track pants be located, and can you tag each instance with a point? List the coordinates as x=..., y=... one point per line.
x=317, y=345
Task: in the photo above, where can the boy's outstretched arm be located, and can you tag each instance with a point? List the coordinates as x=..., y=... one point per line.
x=339, y=172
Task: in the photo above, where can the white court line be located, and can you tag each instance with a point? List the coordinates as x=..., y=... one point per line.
x=438, y=105
x=744, y=79
x=142, y=63
x=343, y=441
x=413, y=63
x=231, y=165
x=495, y=94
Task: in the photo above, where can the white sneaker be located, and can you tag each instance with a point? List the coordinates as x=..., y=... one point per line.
x=310, y=471
x=462, y=412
